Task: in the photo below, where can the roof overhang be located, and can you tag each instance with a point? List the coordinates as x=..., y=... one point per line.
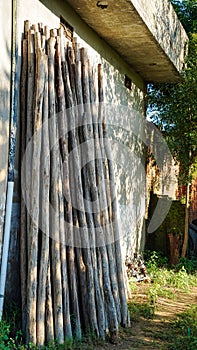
x=146, y=34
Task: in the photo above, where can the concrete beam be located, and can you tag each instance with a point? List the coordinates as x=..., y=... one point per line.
x=147, y=34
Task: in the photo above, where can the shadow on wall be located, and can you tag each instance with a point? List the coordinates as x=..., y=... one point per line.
x=173, y=224
x=127, y=107
x=117, y=93
x=13, y=279
x=130, y=186
x=4, y=142
x=130, y=179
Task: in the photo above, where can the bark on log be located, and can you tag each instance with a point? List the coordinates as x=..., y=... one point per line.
x=75, y=266
x=114, y=213
x=74, y=304
x=26, y=29
x=101, y=181
x=29, y=118
x=54, y=216
x=35, y=187
x=44, y=215
x=175, y=244
x=89, y=233
x=90, y=179
x=49, y=324
x=50, y=333
x=83, y=256
x=23, y=218
x=61, y=128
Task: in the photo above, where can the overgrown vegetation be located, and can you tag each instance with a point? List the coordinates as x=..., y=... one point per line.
x=173, y=108
x=168, y=282
x=173, y=224
x=181, y=334
x=16, y=342
x=165, y=282
x=182, y=276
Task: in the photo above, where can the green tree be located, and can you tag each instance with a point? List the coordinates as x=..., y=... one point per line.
x=187, y=13
x=174, y=106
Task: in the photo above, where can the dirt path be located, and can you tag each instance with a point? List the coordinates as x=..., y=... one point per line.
x=150, y=333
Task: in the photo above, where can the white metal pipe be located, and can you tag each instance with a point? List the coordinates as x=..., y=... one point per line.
x=10, y=187
x=6, y=244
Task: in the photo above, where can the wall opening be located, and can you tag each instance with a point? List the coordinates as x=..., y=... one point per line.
x=128, y=82
x=68, y=29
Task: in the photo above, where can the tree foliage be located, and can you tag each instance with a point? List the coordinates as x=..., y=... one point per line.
x=187, y=13
x=173, y=106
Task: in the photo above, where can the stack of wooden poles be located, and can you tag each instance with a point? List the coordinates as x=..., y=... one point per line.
x=72, y=275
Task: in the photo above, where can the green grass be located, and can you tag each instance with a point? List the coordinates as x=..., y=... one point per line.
x=186, y=322
x=182, y=277
x=16, y=342
x=165, y=283
x=6, y=339
x=180, y=334
x=184, y=330
x=138, y=310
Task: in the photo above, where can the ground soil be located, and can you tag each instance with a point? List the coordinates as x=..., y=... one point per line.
x=150, y=333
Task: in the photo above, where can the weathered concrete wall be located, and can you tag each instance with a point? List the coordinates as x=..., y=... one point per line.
x=147, y=34
x=48, y=12
x=130, y=189
x=5, y=69
x=162, y=21
x=36, y=12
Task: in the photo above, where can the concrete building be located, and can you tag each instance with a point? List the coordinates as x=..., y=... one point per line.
x=137, y=41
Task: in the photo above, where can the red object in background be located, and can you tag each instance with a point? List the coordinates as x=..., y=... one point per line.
x=193, y=199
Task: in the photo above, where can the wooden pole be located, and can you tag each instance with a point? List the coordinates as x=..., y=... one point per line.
x=29, y=118
x=49, y=323
x=75, y=265
x=101, y=181
x=93, y=195
x=54, y=215
x=59, y=58
x=186, y=227
x=77, y=197
x=73, y=290
x=89, y=296
x=35, y=188
x=44, y=215
x=114, y=213
x=23, y=218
